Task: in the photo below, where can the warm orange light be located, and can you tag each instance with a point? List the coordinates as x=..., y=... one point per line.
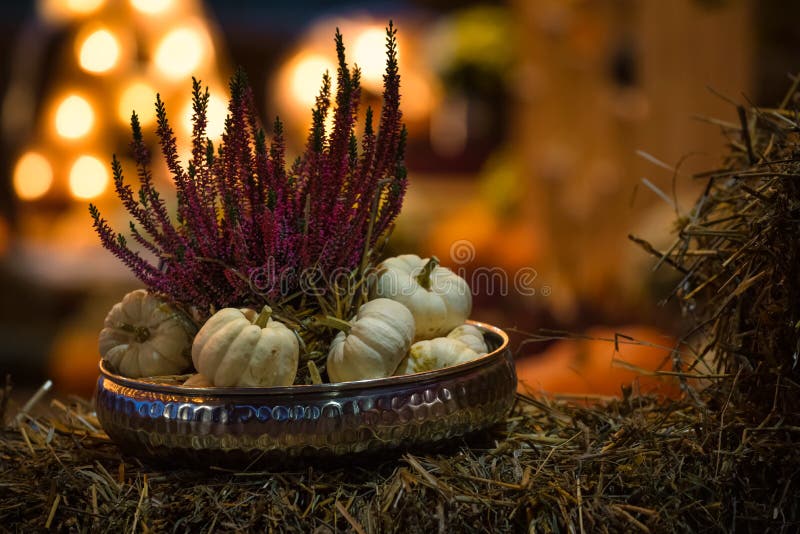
x=83, y=7
x=151, y=7
x=74, y=117
x=62, y=10
x=330, y=121
x=216, y=113
x=139, y=97
x=369, y=53
x=33, y=176
x=99, y=52
x=184, y=156
x=420, y=106
x=306, y=78
x=180, y=53
x=88, y=177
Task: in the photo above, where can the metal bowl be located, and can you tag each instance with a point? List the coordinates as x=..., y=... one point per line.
x=234, y=425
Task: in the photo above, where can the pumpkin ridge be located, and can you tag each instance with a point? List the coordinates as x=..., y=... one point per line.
x=373, y=330
x=151, y=362
x=162, y=315
x=132, y=300
x=168, y=335
x=233, y=361
x=116, y=355
x=218, y=343
x=110, y=321
x=406, y=263
x=111, y=337
x=451, y=304
x=369, y=365
x=269, y=356
x=211, y=327
x=469, y=336
x=129, y=363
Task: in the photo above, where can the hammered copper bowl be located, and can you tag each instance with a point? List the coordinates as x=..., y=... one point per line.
x=235, y=425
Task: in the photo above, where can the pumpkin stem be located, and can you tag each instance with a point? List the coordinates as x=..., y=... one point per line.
x=140, y=333
x=263, y=317
x=335, y=323
x=424, y=277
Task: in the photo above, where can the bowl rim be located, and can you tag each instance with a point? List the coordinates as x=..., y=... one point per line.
x=302, y=389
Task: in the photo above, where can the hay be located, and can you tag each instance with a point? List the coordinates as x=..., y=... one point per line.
x=635, y=464
x=739, y=253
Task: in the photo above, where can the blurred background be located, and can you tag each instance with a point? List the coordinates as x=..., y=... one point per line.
x=541, y=134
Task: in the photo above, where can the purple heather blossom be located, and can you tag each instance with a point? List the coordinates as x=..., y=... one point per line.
x=242, y=211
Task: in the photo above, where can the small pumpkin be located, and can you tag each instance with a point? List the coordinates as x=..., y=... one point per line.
x=372, y=344
x=234, y=350
x=144, y=336
x=438, y=298
x=437, y=353
x=198, y=381
x=470, y=336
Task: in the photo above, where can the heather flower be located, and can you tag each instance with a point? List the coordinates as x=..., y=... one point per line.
x=243, y=214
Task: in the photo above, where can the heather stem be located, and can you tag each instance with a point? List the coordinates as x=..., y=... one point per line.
x=263, y=317
x=372, y=216
x=424, y=277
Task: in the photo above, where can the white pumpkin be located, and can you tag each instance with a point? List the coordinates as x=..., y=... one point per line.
x=439, y=299
x=372, y=344
x=144, y=336
x=437, y=353
x=198, y=381
x=470, y=336
x=234, y=350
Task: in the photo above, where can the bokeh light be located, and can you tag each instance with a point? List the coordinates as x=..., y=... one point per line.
x=63, y=10
x=99, y=52
x=180, y=53
x=151, y=7
x=369, y=53
x=88, y=177
x=306, y=77
x=84, y=7
x=33, y=176
x=216, y=113
x=425, y=96
x=140, y=97
x=74, y=117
